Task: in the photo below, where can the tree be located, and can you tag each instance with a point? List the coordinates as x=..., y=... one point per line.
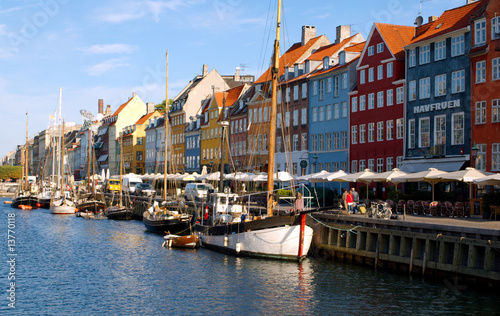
x=161, y=107
x=10, y=172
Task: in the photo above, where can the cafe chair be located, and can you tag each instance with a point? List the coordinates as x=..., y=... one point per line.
x=434, y=207
x=495, y=210
x=459, y=209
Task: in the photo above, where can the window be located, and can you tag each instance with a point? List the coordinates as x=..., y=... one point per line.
x=371, y=164
x=304, y=90
x=480, y=32
x=296, y=92
x=457, y=128
x=389, y=163
x=481, y=157
x=495, y=27
x=380, y=131
x=321, y=111
x=399, y=128
x=440, y=85
x=314, y=139
x=344, y=109
x=278, y=119
x=380, y=165
x=390, y=98
x=458, y=81
x=370, y=50
x=371, y=101
x=303, y=141
x=380, y=47
x=328, y=141
x=315, y=114
x=336, y=111
x=336, y=86
x=138, y=155
x=266, y=117
x=354, y=104
x=278, y=144
x=481, y=112
x=495, y=111
x=321, y=142
x=303, y=118
x=424, y=134
x=457, y=46
x=412, y=90
x=260, y=115
x=315, y=88
x=380, y=99
x=424, y=55
x=287, y=94
x=362, y=77
x=354, y=166
x=362, y=103
x=329, y=85
x=287, y=119
x=440, y=50
x=389, y=125
x=412, y=60
x=362, y=135
x=278, y=98
x=425, y=88
x=362, y=165
x=344, y=80
x=371, y=132
x=354, y=134
x=336, y=140
x=295, y=117
x=344, y=139
x=264, y=142
x=380, y=72
x=370, y=74
x=495, y=68
x=481, y=71
x=389, y=70
x=321, y=89
x=495, y=156
x=328, y=112
x=440, y=130
x=400, y=95
x=255, y=115
x=295, y=142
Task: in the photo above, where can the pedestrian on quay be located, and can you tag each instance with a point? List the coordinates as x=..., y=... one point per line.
x=344, y=198
x=349, y=200
x=355, y=199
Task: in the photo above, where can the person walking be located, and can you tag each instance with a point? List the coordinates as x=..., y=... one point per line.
x=344, y=197
x=349, y=200
x=355, y=199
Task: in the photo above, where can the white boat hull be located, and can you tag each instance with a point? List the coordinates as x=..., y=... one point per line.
x=61, y=207
x=278, y=242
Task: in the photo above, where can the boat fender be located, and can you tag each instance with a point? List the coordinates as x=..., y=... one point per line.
x=164, y=243
x=226, y=239
x=170, y=243
x=238, y=247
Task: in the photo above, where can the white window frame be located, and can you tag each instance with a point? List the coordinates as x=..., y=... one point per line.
x=344, y=109
x=495, y=111
x=329, y=112
x=412, y=90
x=457, y=45
x=362, y=77
x=354, y=134
x=495, y=27
x=424, y=86
x=424, y=133
x=371, y=101
x=380, y=131
x=314, y=118
x=390, y=97
x=424, y=56
x=336, y=111
x=411, y=133
x=495, y=156
x=371, y=132
x=389, y=163
x=303, y=116
x=296, y=92
x=412, y=58
x=380, y=72
x=362, y=102
x=304, y=90
x=380, y=48
x=440, y=85
x=440, y=129
x=400, y=94
x=354, y=104
x=380, y=165
x=390, y=70
x=495, y=68
x=479, y=32
x=371, y=75
x=480, y=112
x=440, y=50
x=362, y=133
x=458, y=81
x=457, y=130
x=371, y=50
x=380, y=99
x=400, y=127
x=481, y=71
x=389, y=130
x=295, y=117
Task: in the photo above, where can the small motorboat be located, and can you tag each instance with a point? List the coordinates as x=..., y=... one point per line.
x=176, y=241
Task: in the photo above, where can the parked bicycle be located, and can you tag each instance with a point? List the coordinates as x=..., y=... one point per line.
x=380, y=209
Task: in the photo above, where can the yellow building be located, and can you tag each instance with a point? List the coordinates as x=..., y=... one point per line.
x=134, y=144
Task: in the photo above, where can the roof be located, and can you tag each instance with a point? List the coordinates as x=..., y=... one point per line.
x=329, y=50
x=146, y=117
x=396, y=37
x=355, y=48
x=451, y=20
x=121, y=107
x=290, y=57
x=336, y=67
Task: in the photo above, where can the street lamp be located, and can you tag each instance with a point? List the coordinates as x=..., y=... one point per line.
x=473, y=154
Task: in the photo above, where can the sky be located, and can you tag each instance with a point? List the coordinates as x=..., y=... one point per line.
x=108, y=49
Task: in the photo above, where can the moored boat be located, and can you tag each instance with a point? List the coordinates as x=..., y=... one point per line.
x=161, y=221
x=117, y=212
x=25, y=199
x=62, y=206
x=190, y=241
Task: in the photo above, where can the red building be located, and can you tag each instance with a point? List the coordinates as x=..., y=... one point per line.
x=485, y=83
x=377, y=104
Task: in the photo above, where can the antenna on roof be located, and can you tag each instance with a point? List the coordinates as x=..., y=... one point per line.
x=243, y=66
x=420, y=8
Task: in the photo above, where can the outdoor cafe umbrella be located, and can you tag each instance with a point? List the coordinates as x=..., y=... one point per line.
x=493, y=179
x=388, y=176
x=468, y=176
x=358, y=177
x=422, y=176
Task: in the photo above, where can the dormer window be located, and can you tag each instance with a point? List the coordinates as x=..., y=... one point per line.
x=326, y=62
x=342, y=58
x=307, y=66
x=296, y=70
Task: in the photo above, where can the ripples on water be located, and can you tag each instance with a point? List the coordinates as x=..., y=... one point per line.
x=72, y=266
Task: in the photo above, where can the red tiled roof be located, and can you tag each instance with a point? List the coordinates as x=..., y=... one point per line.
x=121, y=107
x=336, y=67
x=233, y=94
x=290, y=57
x=145, y=117
x=328, y=50
x=396, y=37
x=451, y=20
x=355, y=48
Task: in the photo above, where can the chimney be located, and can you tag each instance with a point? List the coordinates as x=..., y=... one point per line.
x=134, y=94
x=308, y=32
x=432, y=18
x=237, y=75
x=343, y=32
x=100, y=106
x=150, y=107
x=205, y=70
x=108, y=110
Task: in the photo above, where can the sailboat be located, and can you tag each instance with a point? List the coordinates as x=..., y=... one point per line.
x=64, y=204
x=169, y=218
x=119, y=212
x=234, y=231
x=24, y=198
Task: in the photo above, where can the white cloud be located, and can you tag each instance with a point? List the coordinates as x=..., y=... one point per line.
x=109, y=49
x=122, y=17
x=107, y=65
x=3, y=28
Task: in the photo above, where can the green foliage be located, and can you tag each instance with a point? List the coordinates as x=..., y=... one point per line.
x=489, y=199
x=283, y=192
x=10, y=172
x=161, y=107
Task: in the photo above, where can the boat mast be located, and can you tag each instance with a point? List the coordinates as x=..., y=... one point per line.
x=272, y=123
x=166, y=138
x=121, y=165
x=223, y=153
x=89, y=158
x=24, y=161
x=62, y=159
x=60, y=172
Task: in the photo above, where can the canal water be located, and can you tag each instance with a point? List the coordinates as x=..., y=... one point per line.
x=66, y=265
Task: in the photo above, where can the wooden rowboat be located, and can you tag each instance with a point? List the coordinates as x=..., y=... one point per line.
x=176, y=241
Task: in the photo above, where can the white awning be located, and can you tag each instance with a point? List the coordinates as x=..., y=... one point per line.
x=102, y=158
x=444, y=164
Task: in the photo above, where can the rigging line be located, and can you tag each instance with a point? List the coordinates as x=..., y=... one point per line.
x=341, y=229
x=265, y=43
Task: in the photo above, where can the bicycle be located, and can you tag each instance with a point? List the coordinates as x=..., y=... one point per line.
x=380, y=209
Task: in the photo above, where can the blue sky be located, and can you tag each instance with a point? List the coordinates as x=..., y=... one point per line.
x=108, y=49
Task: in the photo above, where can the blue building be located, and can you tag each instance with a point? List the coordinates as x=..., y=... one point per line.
x=193, y=148
x=439, y=92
